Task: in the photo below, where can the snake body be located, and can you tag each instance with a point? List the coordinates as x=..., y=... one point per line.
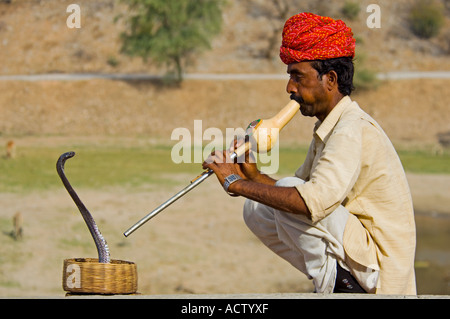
x=100, y=242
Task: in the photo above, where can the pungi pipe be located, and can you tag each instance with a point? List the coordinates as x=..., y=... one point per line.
x=263, y=132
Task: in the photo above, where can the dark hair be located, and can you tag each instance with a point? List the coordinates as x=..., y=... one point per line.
x=344, y=69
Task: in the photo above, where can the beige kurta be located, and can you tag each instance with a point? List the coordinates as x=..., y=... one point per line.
x=352, y=162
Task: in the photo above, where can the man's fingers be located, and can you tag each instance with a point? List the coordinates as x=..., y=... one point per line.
x=216, y=157
x=237, y=141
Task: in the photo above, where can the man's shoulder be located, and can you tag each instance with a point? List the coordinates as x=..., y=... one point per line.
x=356, y=124
x=356, y=116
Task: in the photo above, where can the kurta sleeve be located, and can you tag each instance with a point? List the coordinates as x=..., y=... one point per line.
x=336, y=171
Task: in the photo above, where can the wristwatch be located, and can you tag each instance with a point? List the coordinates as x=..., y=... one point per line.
x=230, y=179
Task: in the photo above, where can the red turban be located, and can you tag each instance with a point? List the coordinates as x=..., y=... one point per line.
x=307, y=36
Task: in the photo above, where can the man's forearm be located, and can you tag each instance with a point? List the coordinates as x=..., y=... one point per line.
x=264, y=179
x=286, y=199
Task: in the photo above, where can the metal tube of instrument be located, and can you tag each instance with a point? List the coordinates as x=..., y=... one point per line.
x=264, y=144
x=194, y=183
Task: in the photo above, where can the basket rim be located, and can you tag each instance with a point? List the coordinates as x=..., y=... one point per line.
x=95, y=261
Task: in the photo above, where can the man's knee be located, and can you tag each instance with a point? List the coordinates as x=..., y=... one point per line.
x=251, y=216
x=248, y=211
x=256, y=214
x=259, y=218
x=290, y=181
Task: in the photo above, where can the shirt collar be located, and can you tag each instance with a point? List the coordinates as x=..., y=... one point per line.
x=323, y=129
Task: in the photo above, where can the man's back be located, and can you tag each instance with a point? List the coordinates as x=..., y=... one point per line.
x=352, y=162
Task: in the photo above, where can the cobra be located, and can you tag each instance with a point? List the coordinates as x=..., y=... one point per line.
x=100, y=242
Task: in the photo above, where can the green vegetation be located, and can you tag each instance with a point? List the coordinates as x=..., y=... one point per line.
x=171, y=32
x=422, y=161
x=426, y=18
x=350, y=10
x=91, y=167
x=99, y=167
x=365, y=78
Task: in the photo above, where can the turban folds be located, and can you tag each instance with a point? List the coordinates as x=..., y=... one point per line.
x=307, y=37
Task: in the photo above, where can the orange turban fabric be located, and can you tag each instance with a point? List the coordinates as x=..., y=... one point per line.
x=307, y=37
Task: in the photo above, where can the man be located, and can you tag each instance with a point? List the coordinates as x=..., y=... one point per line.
x=346, y=218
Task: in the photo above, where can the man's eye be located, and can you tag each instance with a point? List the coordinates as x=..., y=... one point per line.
x=295, y=77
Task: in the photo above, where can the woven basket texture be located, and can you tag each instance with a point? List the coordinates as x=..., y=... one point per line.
x=88, y=276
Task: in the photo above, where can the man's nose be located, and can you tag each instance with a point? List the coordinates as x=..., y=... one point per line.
x=291, y=88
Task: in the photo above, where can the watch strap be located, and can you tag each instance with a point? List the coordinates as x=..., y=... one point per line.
x=230, y=179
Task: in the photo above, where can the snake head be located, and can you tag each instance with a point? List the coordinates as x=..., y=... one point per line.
x=62, y=160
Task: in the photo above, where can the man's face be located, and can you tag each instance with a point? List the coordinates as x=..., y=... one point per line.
x=307, y=89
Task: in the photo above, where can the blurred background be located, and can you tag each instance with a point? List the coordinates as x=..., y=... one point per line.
x=114, y=88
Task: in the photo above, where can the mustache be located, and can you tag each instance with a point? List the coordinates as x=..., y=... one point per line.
x=298, y=99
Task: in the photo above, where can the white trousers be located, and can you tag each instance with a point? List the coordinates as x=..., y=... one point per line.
x=313, y=249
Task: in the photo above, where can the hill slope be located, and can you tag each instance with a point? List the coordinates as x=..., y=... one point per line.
x=34, y=39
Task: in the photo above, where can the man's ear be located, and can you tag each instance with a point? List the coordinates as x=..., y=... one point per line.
x=331, y=80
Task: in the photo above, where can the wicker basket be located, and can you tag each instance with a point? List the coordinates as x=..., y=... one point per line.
x=88, y=276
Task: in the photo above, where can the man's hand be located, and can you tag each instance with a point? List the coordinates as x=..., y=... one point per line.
x=222, y=165
x=247, y=163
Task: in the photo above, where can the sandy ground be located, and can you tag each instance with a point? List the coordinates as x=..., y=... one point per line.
x=198, y=245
